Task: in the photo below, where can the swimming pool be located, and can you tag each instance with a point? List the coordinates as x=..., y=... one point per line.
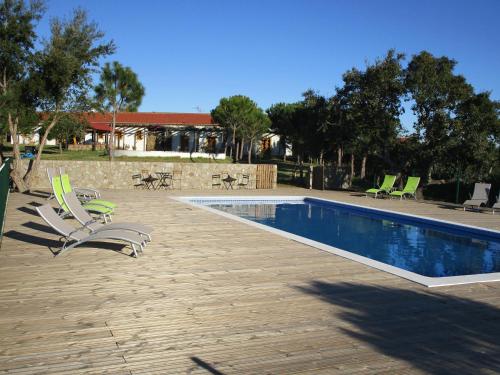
x=428, y=251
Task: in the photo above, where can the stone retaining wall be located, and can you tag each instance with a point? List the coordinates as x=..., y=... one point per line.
x=118, y=174
x=86, y=147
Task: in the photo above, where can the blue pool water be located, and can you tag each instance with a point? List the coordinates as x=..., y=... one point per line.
x=426, y=247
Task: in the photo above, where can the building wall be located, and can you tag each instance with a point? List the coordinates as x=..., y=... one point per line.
x=118, y=175
x=33, y=139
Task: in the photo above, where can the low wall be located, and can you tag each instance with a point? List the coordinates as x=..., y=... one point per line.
x=118, y=174
x=86, y=147
x=167, y=154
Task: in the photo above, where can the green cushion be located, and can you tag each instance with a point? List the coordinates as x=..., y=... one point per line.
x=374, y=190
x=66, y=187
x=398, y=193
x=98, y=208
x=102, y=202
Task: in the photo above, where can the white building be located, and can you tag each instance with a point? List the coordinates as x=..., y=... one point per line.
x=185, y=135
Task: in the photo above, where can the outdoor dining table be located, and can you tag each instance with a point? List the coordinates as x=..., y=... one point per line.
x=149, y=182
x=164, y=178
x=229, y=182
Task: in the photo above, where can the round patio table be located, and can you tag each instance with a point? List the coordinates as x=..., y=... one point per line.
x=229, y=182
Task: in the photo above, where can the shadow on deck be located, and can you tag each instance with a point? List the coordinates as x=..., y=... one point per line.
x=437, y=333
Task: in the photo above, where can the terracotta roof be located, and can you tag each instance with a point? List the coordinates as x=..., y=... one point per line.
x=101, y=127
x=152, y=118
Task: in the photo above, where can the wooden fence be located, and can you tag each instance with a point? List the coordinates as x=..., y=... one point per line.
x=266, y=176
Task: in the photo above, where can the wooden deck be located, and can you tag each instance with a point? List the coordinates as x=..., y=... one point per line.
x=214, y=296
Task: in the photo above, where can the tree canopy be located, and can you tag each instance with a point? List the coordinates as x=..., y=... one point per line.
x=119, y=90
x=54, y=80
x=242, y=118
x=456, y=131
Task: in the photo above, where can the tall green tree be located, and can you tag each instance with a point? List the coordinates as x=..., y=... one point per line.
x=312, y=119
x=281, y=116
x=67, y=128
x=58, y=78
x=17, y=38
x=436, y=92
x=234, y=113
x=473, y=146
x=371, y=102
x=118, y=91
x=258, y=124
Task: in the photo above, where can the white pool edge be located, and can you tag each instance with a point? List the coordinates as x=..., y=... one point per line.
x=412, y=276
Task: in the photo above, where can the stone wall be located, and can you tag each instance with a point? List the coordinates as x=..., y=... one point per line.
x=118, y=174
x=86, y=147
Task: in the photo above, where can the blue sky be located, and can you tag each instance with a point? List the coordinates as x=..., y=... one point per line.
x=189, y=54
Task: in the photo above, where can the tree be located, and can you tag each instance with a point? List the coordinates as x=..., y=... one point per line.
x=58, y=79
x=118, y=91
x=17, y=38
x=473, y=138
x=312, y=119
x=258, y=123
x=234, y=113
x=302, y=125
x=68, y=127
x=436, y=92
x=371, y=104
x=281, y=116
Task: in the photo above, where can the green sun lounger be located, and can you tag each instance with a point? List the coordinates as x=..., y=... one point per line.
x=386, y=186
x=99, y=209
x=66, y=186
x=410, y=189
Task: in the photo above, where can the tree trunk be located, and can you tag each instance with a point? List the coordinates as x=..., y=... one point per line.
x=111, y=146
x=60, y=147
x=17, y=170
x=234, y=151
x=242, y=146
x=321, y=157
x=33, y=167
x=352, y=169
x=429, y=174
x=250, y=151
x=363, y=167
x=339, y=156
x=283, y=145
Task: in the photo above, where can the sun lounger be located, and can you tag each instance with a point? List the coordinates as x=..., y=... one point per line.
x=66, y=186
x=57, y=189
x=409, y=189
x=386, y=186
x=84, y=218
x=479, y=197
x=74, y=237
x=82, y=193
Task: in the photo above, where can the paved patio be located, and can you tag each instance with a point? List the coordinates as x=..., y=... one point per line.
x=214, y=296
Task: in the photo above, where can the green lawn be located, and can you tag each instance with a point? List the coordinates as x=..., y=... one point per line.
x=52, y=153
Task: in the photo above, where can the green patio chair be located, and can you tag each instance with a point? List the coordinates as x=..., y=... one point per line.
x=386, y=186
x=410, y=189
x=66, y=186
x=57, y=189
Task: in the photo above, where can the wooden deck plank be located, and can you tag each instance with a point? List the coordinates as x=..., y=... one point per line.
x=217, y=293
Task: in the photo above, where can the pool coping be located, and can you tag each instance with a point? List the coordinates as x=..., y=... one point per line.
x=412, y=276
